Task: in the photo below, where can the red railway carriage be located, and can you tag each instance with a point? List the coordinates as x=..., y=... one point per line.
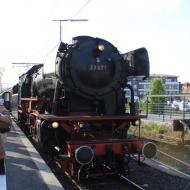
x=77, y=111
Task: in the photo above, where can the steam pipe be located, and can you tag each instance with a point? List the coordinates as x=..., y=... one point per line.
x=132, y=105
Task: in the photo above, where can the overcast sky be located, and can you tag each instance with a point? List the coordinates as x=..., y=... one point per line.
x=162, y=26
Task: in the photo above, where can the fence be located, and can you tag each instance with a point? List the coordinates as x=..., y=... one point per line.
x=167, y=106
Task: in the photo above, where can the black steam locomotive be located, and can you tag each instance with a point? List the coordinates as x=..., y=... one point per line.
x=76, y=111
x=89, y=77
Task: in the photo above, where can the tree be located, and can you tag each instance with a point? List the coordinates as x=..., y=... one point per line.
x=157, y=103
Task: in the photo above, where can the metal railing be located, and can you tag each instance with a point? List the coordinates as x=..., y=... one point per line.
x=167, y=107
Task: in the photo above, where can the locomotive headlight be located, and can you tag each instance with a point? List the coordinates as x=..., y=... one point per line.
x=55, y=125
x=100, y=47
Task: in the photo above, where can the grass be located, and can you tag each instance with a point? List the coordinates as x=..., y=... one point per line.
x=154, y=130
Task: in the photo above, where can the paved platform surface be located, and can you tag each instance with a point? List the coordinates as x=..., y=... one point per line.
x=25, y=169
x=3, y=182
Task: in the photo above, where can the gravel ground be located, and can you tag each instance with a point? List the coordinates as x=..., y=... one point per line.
x=152, y=179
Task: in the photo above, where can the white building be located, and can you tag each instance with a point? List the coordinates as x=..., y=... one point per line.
x=142, y=88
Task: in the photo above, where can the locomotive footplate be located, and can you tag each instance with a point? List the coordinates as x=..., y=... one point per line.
x=90, y=117
x=100, y=147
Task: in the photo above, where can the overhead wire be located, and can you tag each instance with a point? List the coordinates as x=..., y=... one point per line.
x=74, y=16
x=51, y=51
x=81, y=9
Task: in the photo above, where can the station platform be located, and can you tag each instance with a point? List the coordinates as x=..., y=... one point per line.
x=25, y=169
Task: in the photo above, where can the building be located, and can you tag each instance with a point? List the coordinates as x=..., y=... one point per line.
x=142, y=88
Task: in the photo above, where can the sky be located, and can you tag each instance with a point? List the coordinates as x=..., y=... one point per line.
x=28, y=33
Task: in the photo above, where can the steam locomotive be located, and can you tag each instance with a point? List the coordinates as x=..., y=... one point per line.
x=75, y=107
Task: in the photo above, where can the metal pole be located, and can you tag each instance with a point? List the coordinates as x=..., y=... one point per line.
x=184, y=107
x=67, y=20
x=22, y=63
x=132, y=105
x=60, y=29
x=158, y=107
x=139, y=128
x=170, y=107
x=147, y=106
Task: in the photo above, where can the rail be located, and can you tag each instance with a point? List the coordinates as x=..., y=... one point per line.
x=176, y=159
x=170, y=167
x=126, y=179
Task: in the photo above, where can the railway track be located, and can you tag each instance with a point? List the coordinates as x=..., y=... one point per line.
x=115, y=182
x=106, y=182
x=127, y=180
x=161, y=164
x=122, y=182
x=173, y=163
x=176, y=159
